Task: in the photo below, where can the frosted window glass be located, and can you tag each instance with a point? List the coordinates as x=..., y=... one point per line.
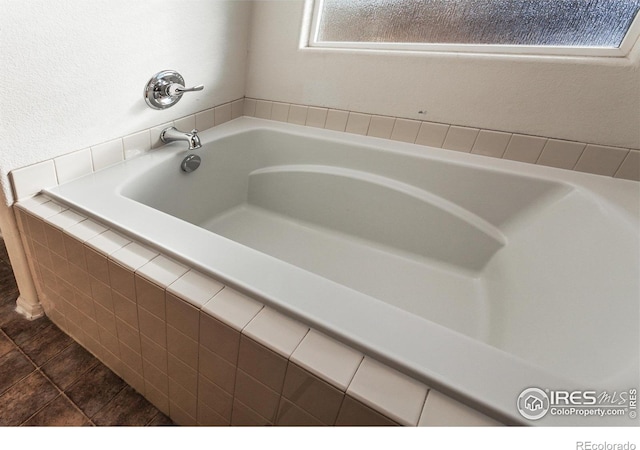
x=567, y=23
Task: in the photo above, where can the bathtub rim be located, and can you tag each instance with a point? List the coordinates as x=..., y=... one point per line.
x=437, y=371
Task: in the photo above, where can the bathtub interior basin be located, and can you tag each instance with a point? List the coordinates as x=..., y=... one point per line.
x=533, y=262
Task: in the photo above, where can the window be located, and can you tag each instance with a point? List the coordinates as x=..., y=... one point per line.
x=596, y=27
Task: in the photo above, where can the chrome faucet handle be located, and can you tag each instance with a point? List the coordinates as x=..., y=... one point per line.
x=165, y=89
x=176, y=89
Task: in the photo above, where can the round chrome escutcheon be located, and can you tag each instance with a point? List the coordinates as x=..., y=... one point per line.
x=190, y=163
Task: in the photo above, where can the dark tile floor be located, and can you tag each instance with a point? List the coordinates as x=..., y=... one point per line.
x=47, y=379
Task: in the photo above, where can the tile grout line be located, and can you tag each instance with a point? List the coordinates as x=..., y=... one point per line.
x=38, y=369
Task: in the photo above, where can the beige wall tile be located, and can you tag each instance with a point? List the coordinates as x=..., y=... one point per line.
x=162, y=270
x=185, y=401
x=460, y=138
x=152, y=327
x=97, y=265
x=262, y=364
x=156, y=398
x=249, y=105
x=133, y=255
x=237, y=108
x=312, y=395
x=205, y=119
x=405, y=130
x=180, y=416
x=219, y=338
x=112, y=361
x=630, y=168
x=195, y=288
x=524, y=148
x=182, y=347
x=109, y=341
x=84, y=303
x=316, y=117
x=280, y=111
x=122, y=280
x=136, y=143
x=432, y=134
x=358, y=123
x=263, y=109
x=491, y=143
x=297, y=114
x=155, y=377
x=217, y=370
x=289, y=415
x=35, y=227
x=65, y=219
x=73, y=165
x=182, y=316
x=353, y=413
x=106, y=319
x=214, y=398
x=85, y=230
x=29, y=180
x=381, y=127
x=125, y=309
x=232, y=308
x=208, y=417
x=327, y=358
x=336, y=120
x=155, y=353
x=150, y=296
x=42, y=255
x=75, y=252
x=386, y=390
x=562, y=154
x=60, y=266
x=276, y=331
x=108, y=242
x=55, y=240
x=222, y=114
x=186, y=123
x=183, y=375
x=256, y=396
x=131, y=358
x=601, y=160
x=101, y=293
x=128, y=335
x=242, y=415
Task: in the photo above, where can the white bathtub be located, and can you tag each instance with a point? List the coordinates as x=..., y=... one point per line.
x=477, y=276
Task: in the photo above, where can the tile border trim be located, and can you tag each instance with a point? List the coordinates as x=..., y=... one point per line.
x=616, y=162
x=27, y=181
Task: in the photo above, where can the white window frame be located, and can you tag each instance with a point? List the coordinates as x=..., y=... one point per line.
x=311, y=41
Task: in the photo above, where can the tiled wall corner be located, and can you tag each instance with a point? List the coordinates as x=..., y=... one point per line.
x=28, y=181
x=596, y=159
x=202, y=352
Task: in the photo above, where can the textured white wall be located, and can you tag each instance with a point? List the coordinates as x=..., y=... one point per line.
x=73, y=71
x=594, y=100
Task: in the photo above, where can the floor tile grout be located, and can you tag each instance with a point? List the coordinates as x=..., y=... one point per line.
x=38, y=368
x=41, y=372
